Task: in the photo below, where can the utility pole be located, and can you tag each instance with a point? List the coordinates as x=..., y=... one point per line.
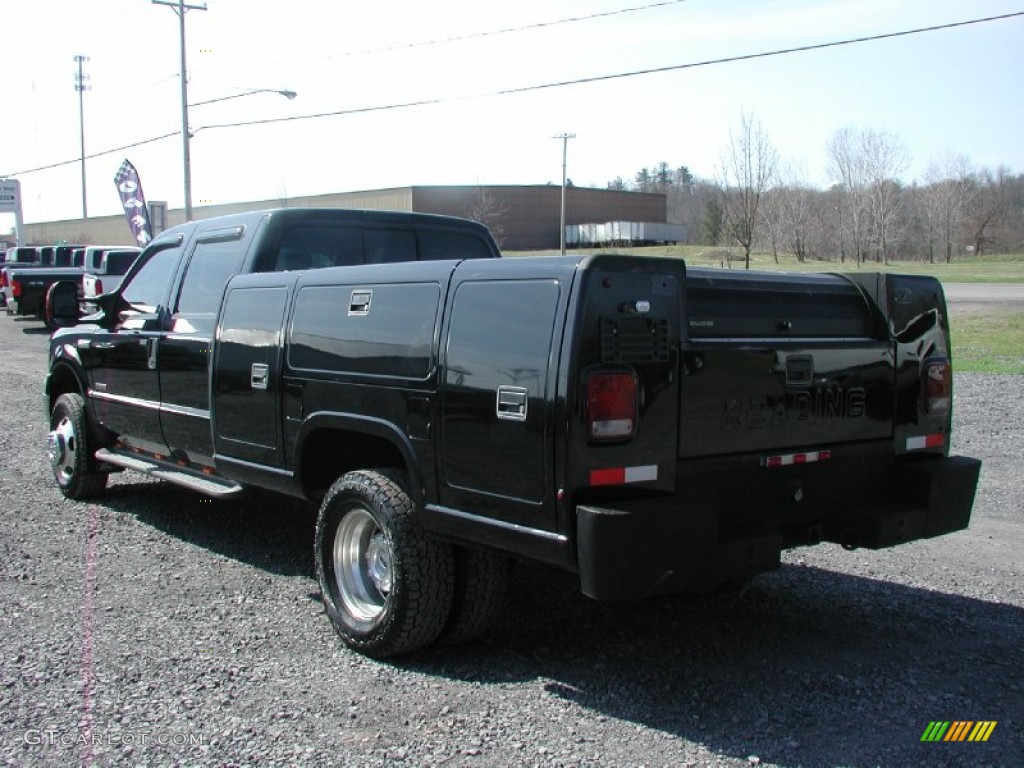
x=81, y=85
x=565, y=142
x=180, y=7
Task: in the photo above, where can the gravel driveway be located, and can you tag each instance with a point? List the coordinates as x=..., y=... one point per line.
x=155, y=628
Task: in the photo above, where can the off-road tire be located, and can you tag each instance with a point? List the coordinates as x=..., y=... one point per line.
x=481, y=580
x=386, y=586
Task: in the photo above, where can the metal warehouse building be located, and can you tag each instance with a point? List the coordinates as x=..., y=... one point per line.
x=522, y=217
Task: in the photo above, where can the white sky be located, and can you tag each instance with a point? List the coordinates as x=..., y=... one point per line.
x=956, y=90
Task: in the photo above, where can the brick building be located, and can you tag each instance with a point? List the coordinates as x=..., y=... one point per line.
x=521, y=217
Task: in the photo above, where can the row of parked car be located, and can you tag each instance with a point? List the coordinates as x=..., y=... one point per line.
x=27, y=272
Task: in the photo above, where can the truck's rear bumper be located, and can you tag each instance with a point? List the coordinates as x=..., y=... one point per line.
x=647, y=546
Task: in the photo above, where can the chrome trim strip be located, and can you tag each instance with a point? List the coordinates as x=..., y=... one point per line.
x=502, y=524
x=184, y=410
x=132, y=401
x=136, y=402
x=220, y=457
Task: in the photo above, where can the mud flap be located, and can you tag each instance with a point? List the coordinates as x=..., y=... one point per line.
x=654, y=546
x=930, y=497
x=943, y=487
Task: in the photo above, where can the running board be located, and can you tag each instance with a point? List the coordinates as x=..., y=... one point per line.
x=196, y=481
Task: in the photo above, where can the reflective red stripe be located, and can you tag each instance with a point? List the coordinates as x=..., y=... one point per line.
x=921, y=442
x=616, y=476
x=620, y=475
x=796, y=458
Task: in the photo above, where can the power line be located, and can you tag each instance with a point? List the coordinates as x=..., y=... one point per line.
x=556, y=84
x=479, y=35
x=618, y=75
x=93, y=155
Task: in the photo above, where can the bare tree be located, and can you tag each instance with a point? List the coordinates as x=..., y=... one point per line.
x=490, y=212
x=773, y=218
x=788, y=212
x=830, y=227
x=990, y=204
x=885, y=158
x=949, y=191
x=846, y=168
x=867, y=211
x=867, y=165
x=746, y=172
x=798, y=213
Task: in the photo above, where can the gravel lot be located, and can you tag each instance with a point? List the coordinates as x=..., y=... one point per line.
x=153, y=628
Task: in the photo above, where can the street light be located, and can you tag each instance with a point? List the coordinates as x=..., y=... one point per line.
x=180, y=7
x=286, y=93
x=188, y=134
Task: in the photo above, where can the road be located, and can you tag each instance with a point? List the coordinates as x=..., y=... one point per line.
x=984, y=297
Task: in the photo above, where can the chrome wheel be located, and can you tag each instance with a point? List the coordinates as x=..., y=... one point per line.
x=362, y=565
x=386, y=586
x=62, y=450
x=67, y=447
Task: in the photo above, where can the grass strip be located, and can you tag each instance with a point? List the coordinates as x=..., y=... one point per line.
x=988, y=342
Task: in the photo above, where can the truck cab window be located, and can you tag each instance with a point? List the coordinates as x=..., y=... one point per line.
x=147, y=288
x=209, y=270
x=316, y=247
x=386, y=246
x=436, y=245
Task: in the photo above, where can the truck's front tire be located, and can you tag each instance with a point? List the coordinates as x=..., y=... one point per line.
x=69, y=447
x=387, y=588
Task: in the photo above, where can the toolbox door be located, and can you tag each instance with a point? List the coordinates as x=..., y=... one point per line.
x=497, y=408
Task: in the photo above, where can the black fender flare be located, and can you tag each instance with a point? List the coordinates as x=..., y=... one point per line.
x=65, y=366
x=368, y=425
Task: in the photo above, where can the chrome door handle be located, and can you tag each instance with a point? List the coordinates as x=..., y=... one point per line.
x=511, y=403
x=259, y=377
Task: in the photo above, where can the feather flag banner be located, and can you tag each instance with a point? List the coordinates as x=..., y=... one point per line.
x=135, y=209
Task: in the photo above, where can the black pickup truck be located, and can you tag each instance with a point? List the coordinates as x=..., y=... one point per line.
x=27, y=285
x=649, y=427
x=14, y=257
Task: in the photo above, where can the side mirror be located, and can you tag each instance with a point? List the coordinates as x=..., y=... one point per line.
x=61, y=307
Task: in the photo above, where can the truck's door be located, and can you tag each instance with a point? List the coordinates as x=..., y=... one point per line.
x=185, y=348
x=246, y=381
x=124, y=383
x=497, y=413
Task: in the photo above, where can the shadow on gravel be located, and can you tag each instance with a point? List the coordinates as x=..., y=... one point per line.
x=268, y=531
x=803, y=667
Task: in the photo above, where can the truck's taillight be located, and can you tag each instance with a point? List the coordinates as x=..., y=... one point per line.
x=611, y=405
x=937, y=383
x=16, y=288
x=3, y=279
x=99, y=287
